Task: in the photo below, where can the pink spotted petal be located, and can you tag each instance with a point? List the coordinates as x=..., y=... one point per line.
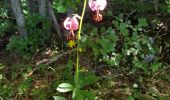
x=93, y=5
x=97, y=4
x=71, y=23
x=102, y=4
x=74, y=23
x=67, y=23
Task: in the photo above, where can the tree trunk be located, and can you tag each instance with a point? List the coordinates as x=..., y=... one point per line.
x=42, y=7
x=16, y=7
x=54, y=19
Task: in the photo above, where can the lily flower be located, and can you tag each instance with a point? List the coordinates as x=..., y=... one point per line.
x=97, y=6
x=71, y=24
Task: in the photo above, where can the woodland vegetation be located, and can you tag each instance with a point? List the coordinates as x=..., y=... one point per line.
x=84, y=49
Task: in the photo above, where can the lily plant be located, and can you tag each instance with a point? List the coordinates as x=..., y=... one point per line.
x=72, y=24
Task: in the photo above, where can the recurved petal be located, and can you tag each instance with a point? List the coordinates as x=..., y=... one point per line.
x=67, y=23
x=101, y=4
x=93, y=5
x=74, y=23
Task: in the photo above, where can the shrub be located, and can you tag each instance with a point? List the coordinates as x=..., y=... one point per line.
x=38, y=34
x=123, y=45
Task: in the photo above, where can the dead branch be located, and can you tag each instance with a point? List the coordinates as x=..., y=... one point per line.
x=51, y=60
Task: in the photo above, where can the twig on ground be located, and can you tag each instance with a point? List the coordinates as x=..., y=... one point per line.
x=51, y=60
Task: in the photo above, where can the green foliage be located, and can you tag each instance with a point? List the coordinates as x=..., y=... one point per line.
x=5, y=26
x=123, y=44
x=40, y=94
x=82, y=94
x=59, y=98
x=165, y=6
x=24, y=86
x=3, y=10
x=119, y=44
x=85, y=79
x=61, y=6
x=130, y=98
x=24, y=6
x=37, y=27
x=5, y=23
x=6, y=91
x=142, y=6
x=79, y=78
x=68, y=70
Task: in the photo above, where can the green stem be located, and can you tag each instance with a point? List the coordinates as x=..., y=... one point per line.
x=78, y=40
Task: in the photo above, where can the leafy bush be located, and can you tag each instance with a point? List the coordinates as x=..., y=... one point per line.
x=5, y=22
x=37, y=27
x=143, y=6
x=61, y=6
x=123, y=45
x=165, y=6
x=6, y=89
x=5, y=26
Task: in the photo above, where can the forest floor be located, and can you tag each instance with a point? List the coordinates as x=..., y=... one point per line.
x=32, y=80
x=115, y=84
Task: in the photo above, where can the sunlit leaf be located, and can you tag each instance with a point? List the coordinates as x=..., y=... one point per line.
x=1, y=76
x=65, y=87
x=78, y=95
x=88, y=78
x=142, y=22
x=59, y=98
x=130, y=98
x=87, y=95
x=156, y=66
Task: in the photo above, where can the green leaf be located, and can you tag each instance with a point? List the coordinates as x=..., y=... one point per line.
x=74, y=93
x=84, y=37
x=115, y=23
x=69, y=65
x=119, y=18
x=130, y=98
x=59, y=6
x=59, y=98
x=88, y=78
x=102, y=29
x=156, y=66
x=125, y=32
x=77, y=80
x=142, y=22
x=65, y=87
x=68, y=70
x=87, y=95
x=78, y=95
x=109, y=13
x=94, y=31
x=1, y=76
